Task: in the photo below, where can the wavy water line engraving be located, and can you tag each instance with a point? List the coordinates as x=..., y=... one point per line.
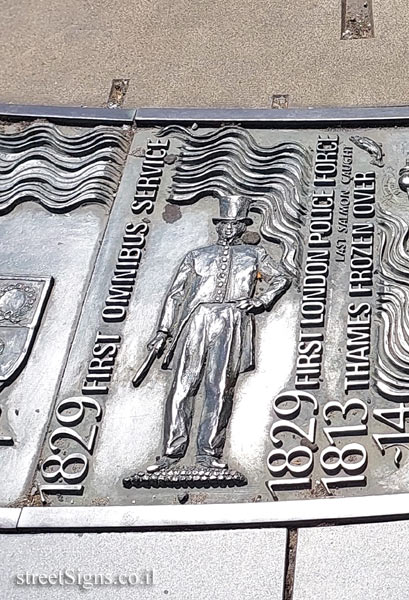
x=230, y=161
x=392, y=361
x=59, y=171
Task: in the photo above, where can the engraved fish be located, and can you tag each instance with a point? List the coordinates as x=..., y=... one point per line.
x=370, y=146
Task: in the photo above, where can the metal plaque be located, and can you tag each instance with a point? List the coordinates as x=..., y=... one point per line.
x=228, y=321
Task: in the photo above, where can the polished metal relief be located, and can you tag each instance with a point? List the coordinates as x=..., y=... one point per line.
x=373, y=148
x=230, y=161
x=22, y=303
x=392, y=365
x=228, y=321
x=208, y=312
x=207, y=316
x=60, y=171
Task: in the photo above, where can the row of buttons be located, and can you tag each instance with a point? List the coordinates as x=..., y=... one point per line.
x=222, y=275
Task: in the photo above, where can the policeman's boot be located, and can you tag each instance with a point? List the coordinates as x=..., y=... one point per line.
x=163, y=463
x=210, y=462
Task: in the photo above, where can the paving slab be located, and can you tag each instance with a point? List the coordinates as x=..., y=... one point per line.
x=353, y=561
x=213, y=564
x=208, y=53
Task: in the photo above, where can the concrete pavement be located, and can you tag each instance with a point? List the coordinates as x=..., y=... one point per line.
x=208, y=53
x=353, y=562
x=204, y=565
x=344, y=562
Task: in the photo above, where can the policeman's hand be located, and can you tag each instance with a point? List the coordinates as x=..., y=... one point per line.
x=250, y=304
x=158, y=341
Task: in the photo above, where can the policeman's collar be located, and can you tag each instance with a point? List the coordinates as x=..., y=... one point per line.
x=234, y=242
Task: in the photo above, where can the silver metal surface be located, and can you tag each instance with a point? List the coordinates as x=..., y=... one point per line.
x=60, y=171
x=278, y=514
x=33, y=240
x=307, y=405
x=360, y=117
x=9, y=518
x=71, y=114
x=22, y=304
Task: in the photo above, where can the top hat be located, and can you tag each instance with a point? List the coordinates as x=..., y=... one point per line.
x=234, y=208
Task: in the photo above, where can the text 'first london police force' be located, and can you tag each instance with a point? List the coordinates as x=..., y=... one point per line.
x=316, y=273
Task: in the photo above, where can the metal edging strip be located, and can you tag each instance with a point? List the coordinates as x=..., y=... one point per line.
x=292, y=513
x=79, y=115
x=9, y=518
x=292, y=117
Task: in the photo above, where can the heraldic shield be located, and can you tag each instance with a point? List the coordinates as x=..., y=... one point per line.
x=22, y=303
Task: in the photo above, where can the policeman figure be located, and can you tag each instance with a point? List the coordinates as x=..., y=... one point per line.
x=208, y=316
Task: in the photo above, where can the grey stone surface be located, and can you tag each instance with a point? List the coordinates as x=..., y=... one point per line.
x=9, y=517
x=354, y=561
x=209, y=53
x=202, y=565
